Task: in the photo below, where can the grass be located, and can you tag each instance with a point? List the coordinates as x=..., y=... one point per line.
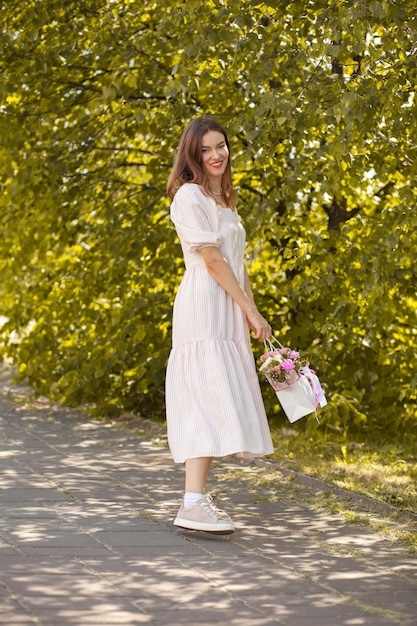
x=384, y=472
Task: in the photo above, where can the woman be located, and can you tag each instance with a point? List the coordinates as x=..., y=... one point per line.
x=213, y=400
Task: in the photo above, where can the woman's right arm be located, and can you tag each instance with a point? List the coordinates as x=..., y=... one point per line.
x=221, y=271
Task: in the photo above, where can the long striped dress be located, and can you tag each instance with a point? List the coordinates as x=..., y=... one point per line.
x=214, y=405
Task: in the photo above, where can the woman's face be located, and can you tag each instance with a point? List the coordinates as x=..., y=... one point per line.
x=215, y=155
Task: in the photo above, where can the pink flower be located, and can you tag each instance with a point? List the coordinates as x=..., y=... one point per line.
x=287, y=365
x=293, y=354
x=265, y=356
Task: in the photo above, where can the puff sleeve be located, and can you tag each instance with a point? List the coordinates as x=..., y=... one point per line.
x=195, y=218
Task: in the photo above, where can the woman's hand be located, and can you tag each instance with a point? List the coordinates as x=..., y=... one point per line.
x=259, y=326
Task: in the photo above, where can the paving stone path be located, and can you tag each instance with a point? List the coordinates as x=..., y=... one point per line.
x=86, y=538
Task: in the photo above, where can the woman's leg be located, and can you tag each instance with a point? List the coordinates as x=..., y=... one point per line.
x=196, y=472
x=198, y=512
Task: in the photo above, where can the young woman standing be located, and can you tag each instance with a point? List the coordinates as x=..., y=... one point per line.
x=213, y=401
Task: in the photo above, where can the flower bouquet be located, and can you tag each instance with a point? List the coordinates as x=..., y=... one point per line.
x=297, y=387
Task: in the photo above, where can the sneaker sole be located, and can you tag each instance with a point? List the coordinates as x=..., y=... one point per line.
x=226, y=530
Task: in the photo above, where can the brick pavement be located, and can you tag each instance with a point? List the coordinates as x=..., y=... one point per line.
x=86, y=538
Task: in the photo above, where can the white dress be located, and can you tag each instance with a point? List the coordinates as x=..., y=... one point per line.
x=214, y=405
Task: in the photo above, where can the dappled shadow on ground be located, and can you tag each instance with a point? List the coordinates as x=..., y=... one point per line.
x=86, y=537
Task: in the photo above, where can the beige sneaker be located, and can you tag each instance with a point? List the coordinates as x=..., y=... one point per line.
x=205, y=516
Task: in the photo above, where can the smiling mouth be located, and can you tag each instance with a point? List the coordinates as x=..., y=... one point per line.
x=217, y=164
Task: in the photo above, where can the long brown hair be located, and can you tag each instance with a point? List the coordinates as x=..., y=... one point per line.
x=188, y=165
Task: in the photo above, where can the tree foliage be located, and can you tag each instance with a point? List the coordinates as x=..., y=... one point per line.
x=319, y=100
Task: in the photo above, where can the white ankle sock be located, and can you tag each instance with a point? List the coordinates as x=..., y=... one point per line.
x=190, y=498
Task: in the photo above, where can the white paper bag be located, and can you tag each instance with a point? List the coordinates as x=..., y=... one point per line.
x=298, y=389
x=297, y=400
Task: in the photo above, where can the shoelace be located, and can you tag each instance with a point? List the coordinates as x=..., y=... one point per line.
x=210, y=508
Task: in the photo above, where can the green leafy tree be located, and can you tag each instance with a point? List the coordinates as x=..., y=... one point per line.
x=319, y=99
